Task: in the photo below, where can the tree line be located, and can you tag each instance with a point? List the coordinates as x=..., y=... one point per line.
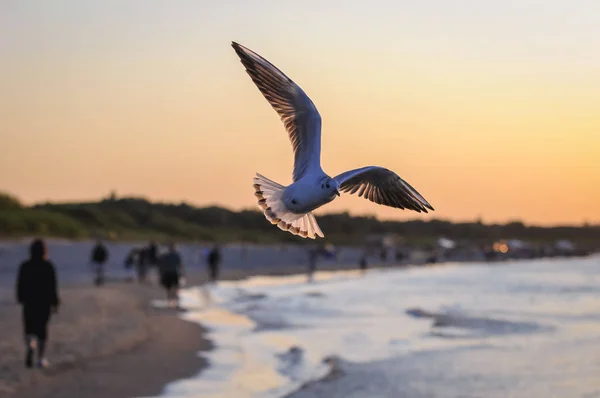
x=139, y=218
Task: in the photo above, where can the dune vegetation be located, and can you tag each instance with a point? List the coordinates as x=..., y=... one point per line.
x=139, y=218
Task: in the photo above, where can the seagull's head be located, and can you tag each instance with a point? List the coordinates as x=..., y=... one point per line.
x=331, y=186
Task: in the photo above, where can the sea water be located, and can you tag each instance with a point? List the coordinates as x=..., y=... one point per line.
x=512, y=329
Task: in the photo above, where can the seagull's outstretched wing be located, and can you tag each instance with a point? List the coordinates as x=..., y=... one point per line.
x=298, y=113
x=383, y=187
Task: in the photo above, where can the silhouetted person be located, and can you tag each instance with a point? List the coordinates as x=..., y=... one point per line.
x=130, y=262
x=141, y=265
x=214, y=261
x=383, y=254
x=431, y=259
x=171, y=273
x=363, y=263
x=313, y=256
x=130, y=259
x=399, y=255
x=152, y=253
x=37, y=292
x=99, y=258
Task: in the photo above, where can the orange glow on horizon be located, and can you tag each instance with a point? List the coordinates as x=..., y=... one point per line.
x=153, y=102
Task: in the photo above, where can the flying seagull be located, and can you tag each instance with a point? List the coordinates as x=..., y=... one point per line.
x=290, y=207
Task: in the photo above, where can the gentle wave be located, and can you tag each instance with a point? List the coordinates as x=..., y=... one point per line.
x=275, y=336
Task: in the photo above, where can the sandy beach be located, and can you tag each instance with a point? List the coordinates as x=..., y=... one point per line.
x=106, y=342
x=111, y=341
x=446, y=329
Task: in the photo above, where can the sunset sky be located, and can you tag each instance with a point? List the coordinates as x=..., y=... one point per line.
x=489, y=109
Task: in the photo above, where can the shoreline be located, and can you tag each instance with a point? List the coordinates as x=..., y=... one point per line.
x=111, y=341
x=102, y=334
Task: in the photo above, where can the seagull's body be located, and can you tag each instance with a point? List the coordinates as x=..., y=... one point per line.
x=290, y=207
x=306, y=193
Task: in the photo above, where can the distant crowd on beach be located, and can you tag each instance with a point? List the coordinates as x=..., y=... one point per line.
x=143, y=259
x=37, y=285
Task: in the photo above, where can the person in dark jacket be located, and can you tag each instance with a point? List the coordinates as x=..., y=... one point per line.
x=363, y=263
x=152, y=254
x=214, y=260
x=171, y=271
x=141, y=265
x=99, y=257
x=37, y=292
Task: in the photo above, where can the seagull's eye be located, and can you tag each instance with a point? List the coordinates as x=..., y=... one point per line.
x=327, y=185
x=294, y=202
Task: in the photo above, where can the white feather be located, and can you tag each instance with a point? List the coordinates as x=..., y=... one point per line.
x=269, y=194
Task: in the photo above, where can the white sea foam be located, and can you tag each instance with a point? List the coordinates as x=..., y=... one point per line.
x=271, y=334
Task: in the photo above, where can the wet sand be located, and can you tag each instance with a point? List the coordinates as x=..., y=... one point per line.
x=106, y=342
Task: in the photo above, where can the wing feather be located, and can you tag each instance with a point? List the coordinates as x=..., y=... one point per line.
x=384, y=187
x=297, y=112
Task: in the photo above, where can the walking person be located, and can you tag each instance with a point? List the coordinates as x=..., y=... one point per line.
x=152, y=254
x=129, y=264
x=141, y=265
x=37, y=293
x=363, y=263
x=170, y=268
x=99, y=258
x=214, y=262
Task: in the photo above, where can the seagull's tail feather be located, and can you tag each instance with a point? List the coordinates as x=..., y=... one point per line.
x=269, y=194
x=304, y=225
